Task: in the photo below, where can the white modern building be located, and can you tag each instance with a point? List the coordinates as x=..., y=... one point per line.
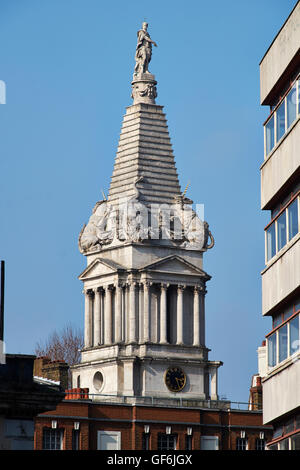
x=280, y=194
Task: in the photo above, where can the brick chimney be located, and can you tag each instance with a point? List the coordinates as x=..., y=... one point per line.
x=53, y=370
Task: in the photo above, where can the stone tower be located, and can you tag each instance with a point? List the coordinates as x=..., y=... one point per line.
x=144, y=284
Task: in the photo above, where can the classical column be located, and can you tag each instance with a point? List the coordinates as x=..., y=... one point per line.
x=140, y=310
x=196, y=326
x=180, y=290
x=202, y=315
x=87, y=318
x=118, y=313
x=163, y=313
x=108, y=316
x=147, y=320
x=213, y=383
x=97, y=318
x=132, y=313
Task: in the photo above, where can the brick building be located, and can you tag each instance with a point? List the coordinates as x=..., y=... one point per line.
x=79, y=423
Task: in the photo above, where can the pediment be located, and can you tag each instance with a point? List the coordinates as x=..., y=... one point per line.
x=176, y=265
x=100, y=267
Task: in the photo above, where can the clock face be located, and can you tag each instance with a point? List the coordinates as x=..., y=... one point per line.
x=175, y=379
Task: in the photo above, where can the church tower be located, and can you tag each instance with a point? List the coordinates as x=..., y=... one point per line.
x=144, y=284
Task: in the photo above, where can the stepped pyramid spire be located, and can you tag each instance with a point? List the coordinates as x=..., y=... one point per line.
x=144, y=165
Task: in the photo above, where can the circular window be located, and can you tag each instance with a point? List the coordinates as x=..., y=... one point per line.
x=98, y=381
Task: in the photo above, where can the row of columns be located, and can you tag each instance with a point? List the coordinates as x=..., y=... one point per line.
x=93, y=314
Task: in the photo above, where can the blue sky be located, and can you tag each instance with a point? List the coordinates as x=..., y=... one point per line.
x=67, y=65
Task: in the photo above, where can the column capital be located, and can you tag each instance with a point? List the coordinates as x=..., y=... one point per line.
x=120, y=284
x=147, y=284
x=88, y=292
x=181, y=287
x=109, y=287
x=164, y=285
x=97, y=290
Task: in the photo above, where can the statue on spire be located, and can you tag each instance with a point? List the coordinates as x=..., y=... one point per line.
x=143, y=50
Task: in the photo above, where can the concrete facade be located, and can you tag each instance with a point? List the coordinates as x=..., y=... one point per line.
x=280, y=184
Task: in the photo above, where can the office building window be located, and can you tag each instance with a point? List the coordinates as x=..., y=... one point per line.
x=52, y=439
x=166, y=441
x=282, y=341
x=285, y=340
x=293, y=219
x=283, y=115
x=280, y=121
x=272, y=350
x=286, y=225
x=291, y=103
x=271, y=242
x=281, y=231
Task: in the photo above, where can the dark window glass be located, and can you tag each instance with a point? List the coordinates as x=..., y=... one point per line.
x=270, y=136
x=166, y=442
x=75, y=439
x=271, y=242
x=278, y=432
x=294, y=334
x=281, y=231
x=290, y=426
x=273, y=447
x=241, y=443
x=282, y=338
x=260, y=444
x=293, y=219
x=146, y=441
x=295, y=442
x=291, y=102
x=298, y=422
x=272, y=350
x=280, y=120
x=288, y=313
x=297, y=306
x=52, y=439
x=188, y=442
x=284, y=444
x=277, y=320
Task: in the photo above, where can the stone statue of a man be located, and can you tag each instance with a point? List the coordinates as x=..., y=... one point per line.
x=143, y=50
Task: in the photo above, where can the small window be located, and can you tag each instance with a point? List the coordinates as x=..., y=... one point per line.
x=278, y=432
x=166, y=441
x=294, y=335
x=271, y=242
x=282, y=336
x=284, y=444
x=52, y=439
x=281, y=230
x=75, y=439
x=291, y=102
x=146, y=441
x=290, y=426
x=241, y=443
x=272, y=350
x=293, y=219
x=270, y=136
x=260, y=444
x=188, y=442
x=295, y=442
x=280, y=121
x=209, y=443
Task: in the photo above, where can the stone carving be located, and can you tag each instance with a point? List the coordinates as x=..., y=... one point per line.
x=143, y=51
x=149, y=91
x=98, y=231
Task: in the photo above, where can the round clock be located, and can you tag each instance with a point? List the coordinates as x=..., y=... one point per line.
x=175, y=379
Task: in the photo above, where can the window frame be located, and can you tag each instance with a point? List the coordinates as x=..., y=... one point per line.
x=273, y=114
x=274, y=220
x=285, y=323
x=54, y=432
